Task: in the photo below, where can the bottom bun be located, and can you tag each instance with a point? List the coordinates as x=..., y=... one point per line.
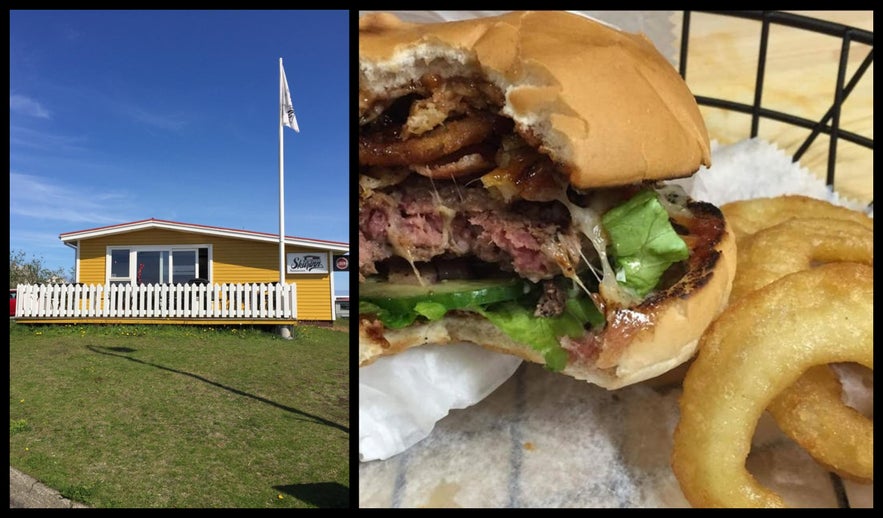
x=629, y=353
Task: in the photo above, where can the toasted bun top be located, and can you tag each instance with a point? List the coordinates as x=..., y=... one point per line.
x=605, y=104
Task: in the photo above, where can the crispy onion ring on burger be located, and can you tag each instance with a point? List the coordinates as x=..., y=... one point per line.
x=756, y=349
x=536, y=221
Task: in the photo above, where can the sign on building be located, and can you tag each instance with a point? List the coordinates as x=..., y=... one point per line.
x=307, y=262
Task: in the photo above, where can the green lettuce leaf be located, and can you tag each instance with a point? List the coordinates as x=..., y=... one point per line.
x=644, y=243
x=543, y=333
x=391, y=319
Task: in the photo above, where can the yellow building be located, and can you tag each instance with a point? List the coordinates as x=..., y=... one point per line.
x=158, y=253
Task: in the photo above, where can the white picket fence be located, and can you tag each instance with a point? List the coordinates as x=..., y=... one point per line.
x=252, y=301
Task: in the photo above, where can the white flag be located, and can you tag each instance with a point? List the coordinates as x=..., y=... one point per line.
x=287, y=109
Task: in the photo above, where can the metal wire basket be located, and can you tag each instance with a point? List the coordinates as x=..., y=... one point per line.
x=829, y=123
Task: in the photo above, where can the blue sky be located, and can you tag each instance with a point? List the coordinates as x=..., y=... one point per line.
x=119, y=116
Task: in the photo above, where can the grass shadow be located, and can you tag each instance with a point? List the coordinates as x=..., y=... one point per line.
x=113, y=351
x=320, y=494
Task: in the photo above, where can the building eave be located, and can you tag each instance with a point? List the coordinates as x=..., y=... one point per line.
x=69, y=238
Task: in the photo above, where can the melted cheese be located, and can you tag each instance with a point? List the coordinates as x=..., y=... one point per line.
x=674, y=199
x=404, y=249
x=588, y=221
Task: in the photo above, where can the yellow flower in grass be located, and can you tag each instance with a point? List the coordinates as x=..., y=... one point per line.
x=280, y=496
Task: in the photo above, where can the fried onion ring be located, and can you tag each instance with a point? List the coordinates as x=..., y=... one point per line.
x=795, y=245
x=756, y=349
x=747, y=217
x=786, y=247
x=839, y=437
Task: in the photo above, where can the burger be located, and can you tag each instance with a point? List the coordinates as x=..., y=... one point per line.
x=513, y=194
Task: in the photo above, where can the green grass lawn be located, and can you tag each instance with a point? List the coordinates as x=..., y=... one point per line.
x=182, y=416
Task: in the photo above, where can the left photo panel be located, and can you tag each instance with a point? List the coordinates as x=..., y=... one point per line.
x=179, y=231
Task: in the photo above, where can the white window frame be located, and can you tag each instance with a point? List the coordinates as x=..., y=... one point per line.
x=133, y=254
x=108, y=263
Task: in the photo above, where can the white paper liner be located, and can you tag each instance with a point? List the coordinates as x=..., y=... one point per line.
x=755, y=168
x=403, y=396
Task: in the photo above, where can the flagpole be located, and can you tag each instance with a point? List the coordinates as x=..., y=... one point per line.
x=281, y=187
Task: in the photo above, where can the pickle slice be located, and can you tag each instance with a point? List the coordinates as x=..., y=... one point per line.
x=452, y=294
